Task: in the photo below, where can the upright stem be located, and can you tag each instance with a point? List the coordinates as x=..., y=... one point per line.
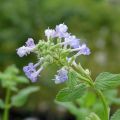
x=7, y=105
x=106, y=108
x=91, y=83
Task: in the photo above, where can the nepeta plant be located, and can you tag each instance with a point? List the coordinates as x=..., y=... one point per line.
x=14, y=97
x=63, y=48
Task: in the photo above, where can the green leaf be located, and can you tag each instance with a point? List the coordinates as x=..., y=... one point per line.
x=112, y=96
x=66, y=94
x=72, y=79
x=92, y=116
x=88, y=100
x=21, y=79
x=116, y=115
x=2, y=105
x=13, y=70
x=20, y=99
x=107, y=80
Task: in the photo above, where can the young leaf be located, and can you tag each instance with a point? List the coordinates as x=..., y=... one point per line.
x=116, y=115
x=66, y=94
x=92, y=116
x=20, y=99
x=72, y=79
x=107, y=80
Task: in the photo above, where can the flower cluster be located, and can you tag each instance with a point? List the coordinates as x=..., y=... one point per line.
x=56, y=49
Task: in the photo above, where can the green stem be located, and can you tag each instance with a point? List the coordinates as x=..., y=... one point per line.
x=7, y=105
x=89, y=80
x=106, y=108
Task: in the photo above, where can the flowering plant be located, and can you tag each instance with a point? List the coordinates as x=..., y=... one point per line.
x=63, y=48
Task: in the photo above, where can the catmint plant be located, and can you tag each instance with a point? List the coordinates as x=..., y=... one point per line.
x=10, y=80
x=63, y=48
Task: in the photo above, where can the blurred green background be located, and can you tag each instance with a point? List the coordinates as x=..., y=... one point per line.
x=96, y=22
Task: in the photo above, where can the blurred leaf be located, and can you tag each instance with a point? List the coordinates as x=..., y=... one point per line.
x=21, y=79
x=13, y=70
x=22, y=96
x=88, y=100
x=80, y=113
x=2, y=105
x=116, y=115
x=111, y=96
x=107, y=80
x=9, y=78
x=70, y=106
x=66, y=94
x=92, y=116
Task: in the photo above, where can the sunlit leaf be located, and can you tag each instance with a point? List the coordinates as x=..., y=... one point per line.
x=66, y=94
x=107, y=80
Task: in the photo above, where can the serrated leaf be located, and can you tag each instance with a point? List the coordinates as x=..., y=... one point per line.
x=92, y=116
x=116, y=115
x=72, y=79
x=20, y=99
x=107, y=80
x=66, y=94
x=2, y=105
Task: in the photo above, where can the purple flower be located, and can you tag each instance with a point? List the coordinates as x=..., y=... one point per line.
x=31, y=72
x=83, y=49
x=72, y=41
x=61, y=31
x=24, y=50
x=49, y=33
x=61, y=28
x=30, y=42
x=61, y=76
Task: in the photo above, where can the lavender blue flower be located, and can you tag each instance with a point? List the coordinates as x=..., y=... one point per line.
x=34, y=76
x=50, y=33
x=61, y=28
x=24, y=50
x=83, y=49
x=30, y=42
x=72, y=41
x=61, y=31
x=61, y=76
x=31, y=72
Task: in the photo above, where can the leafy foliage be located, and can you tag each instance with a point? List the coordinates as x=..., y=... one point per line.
x=10, y=79
x=107, y=80
x=116, y=115
x=22, y=96
x=67, y=94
